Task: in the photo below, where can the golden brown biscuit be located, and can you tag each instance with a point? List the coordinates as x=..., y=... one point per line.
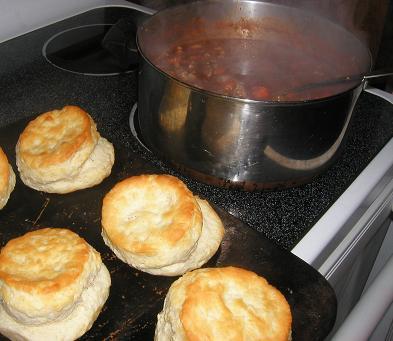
x=61, y=151
x=155, y=224
x=7, y=179
x=54, y=285
x=224, y=304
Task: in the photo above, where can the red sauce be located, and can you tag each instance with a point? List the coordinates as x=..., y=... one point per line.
x=258, y=69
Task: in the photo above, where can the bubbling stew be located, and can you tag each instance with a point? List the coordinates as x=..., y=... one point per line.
x=258, y=69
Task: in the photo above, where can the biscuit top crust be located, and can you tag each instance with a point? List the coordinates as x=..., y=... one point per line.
x=4, y=172
x=45, y=270
x=152, y=215
x=43, y=260
x=232, y=303
x=55, y=136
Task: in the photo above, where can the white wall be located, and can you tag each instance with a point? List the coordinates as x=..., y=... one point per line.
x=21, y=16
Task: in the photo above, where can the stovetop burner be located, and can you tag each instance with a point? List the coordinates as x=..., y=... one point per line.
x=98, y=50
x=284, y=216
x=134, y=126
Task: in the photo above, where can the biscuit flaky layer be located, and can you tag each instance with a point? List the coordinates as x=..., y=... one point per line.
x=44, y=272
x=58, y=150
x=224, y=304
x=7, y=179
x=151, y=220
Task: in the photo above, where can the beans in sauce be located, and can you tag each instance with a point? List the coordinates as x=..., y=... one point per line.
x=256, y=69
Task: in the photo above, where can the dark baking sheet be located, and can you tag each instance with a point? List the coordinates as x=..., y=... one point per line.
x=136, y=297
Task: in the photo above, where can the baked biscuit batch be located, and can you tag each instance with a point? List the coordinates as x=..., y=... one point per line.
x=155, y=224
x=53, y=284
x=226, y=303
x=61, y=151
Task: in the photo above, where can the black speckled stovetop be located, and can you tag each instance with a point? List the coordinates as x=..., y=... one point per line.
x=30, y=85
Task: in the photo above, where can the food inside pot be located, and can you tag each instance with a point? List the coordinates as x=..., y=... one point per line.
x=267, y=59
x=255, y=69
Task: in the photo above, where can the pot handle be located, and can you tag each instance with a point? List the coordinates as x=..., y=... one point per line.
x=379, y=73
x=120, y=40
x=378, y=92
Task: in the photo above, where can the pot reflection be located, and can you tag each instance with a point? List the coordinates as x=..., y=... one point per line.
x=173, y=109
x=221, y=140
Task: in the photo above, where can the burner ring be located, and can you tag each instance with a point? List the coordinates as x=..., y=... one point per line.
x=90, y=50
x=134, y=126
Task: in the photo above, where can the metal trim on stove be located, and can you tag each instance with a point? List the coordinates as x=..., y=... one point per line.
x=120, y=3
x=123, y=4
x=28, y=22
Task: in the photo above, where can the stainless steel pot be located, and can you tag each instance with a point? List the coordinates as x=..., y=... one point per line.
x=228, y=141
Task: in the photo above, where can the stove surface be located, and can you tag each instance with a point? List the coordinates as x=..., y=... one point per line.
x=31, y=85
